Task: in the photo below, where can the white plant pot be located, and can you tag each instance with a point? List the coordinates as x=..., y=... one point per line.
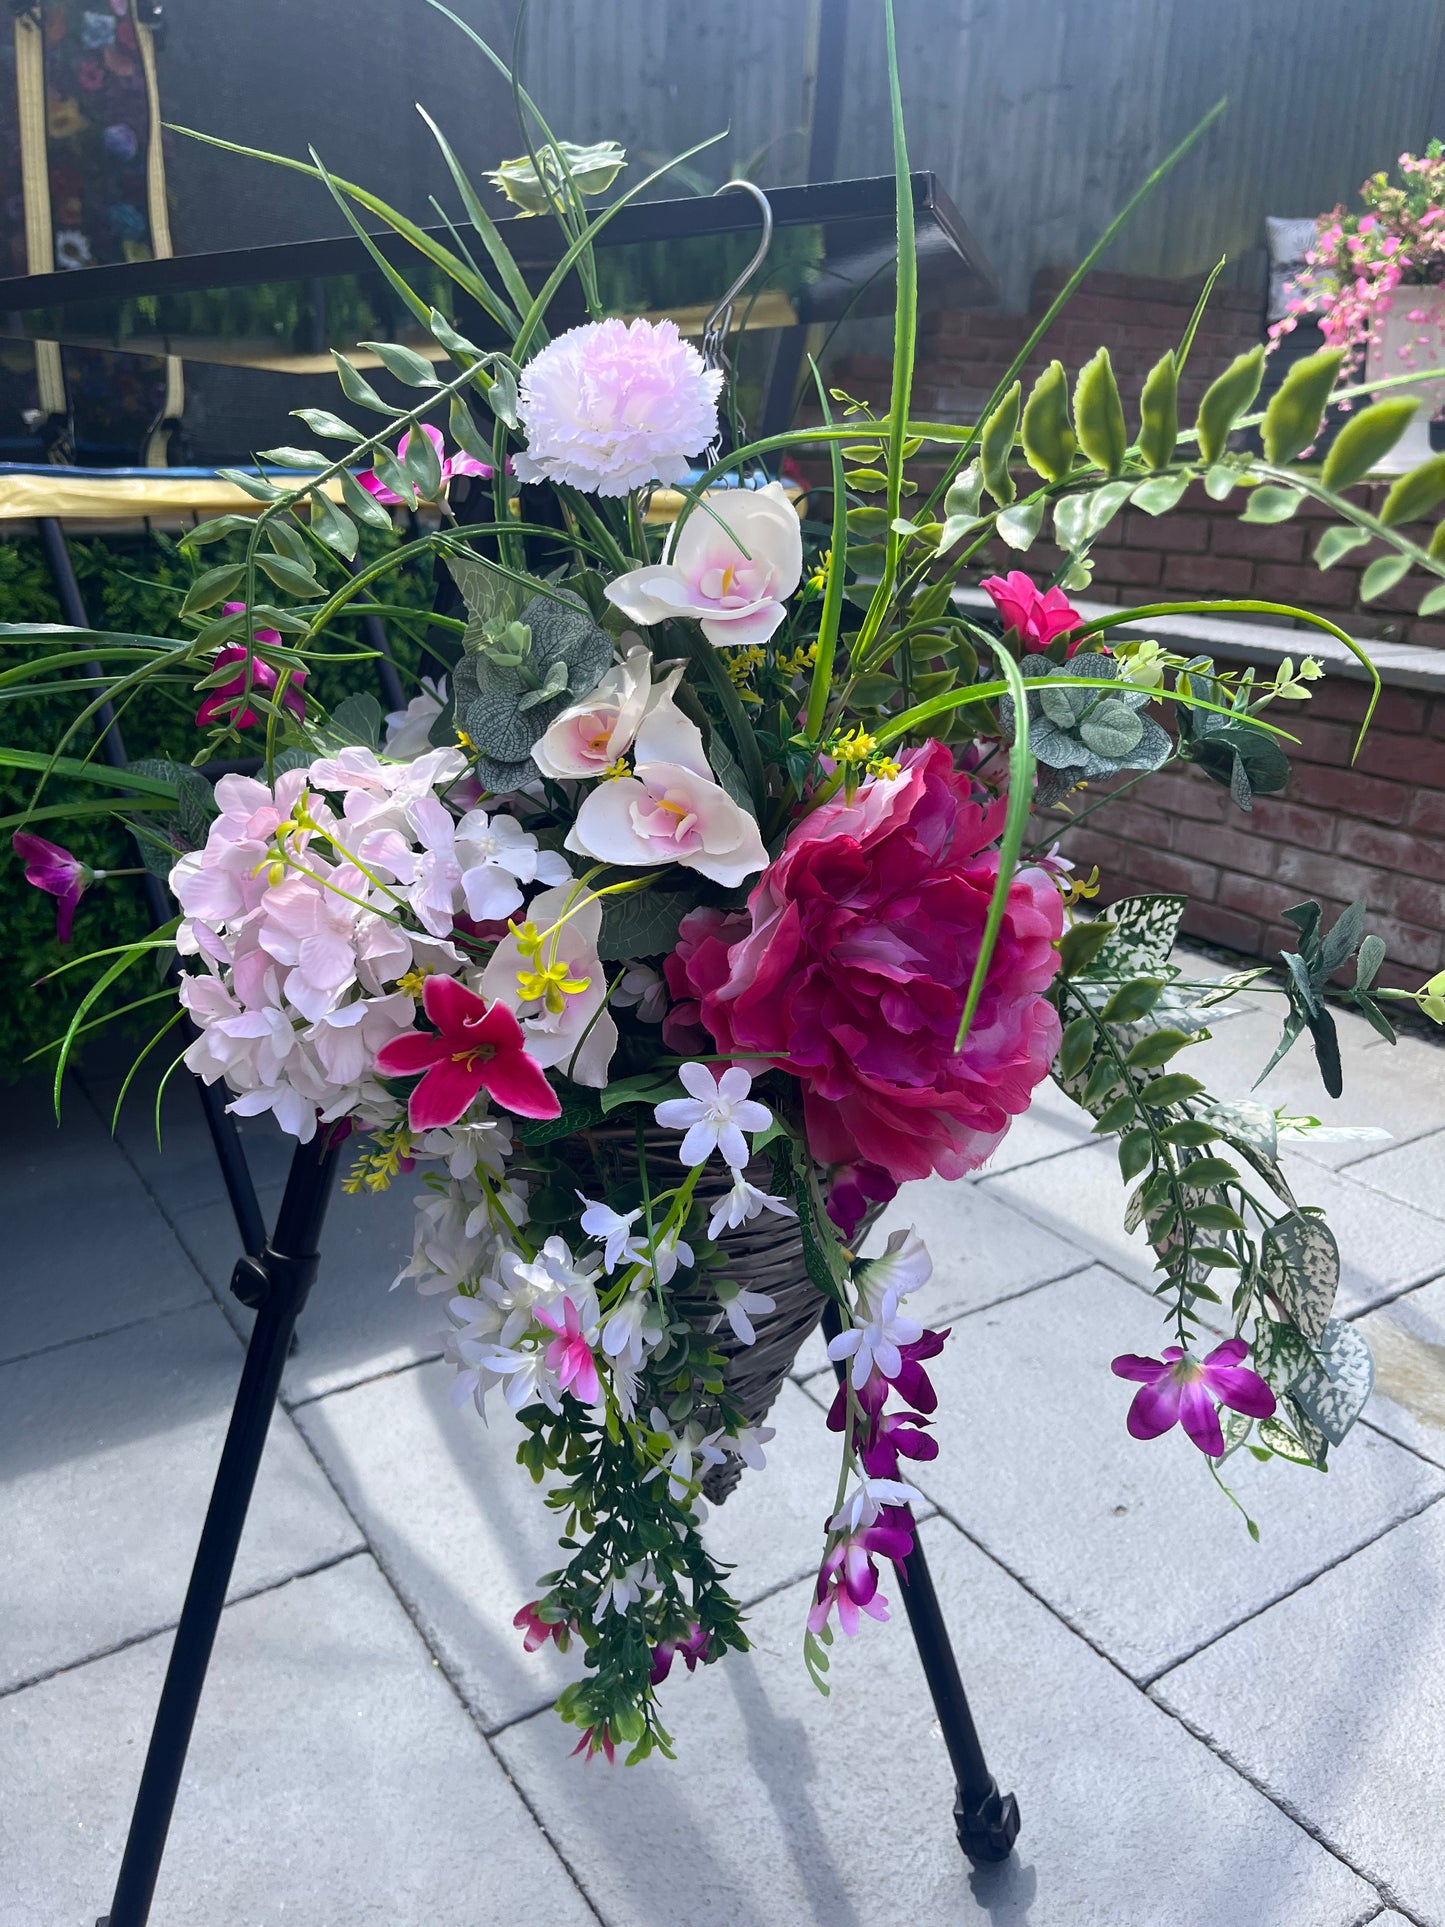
x=1400, y=346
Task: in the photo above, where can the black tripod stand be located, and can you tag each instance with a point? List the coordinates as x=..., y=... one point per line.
x=275, y=1282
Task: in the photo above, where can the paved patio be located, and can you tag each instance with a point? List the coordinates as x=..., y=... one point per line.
x=1201, y=1732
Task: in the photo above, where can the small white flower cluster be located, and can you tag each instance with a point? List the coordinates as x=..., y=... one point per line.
x=713, y=1116
x=879, y=1327
x=319, y=906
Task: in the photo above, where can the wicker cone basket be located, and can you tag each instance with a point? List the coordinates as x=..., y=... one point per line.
x=765, y=1255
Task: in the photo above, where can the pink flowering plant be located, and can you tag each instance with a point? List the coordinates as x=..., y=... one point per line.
x=693, y=907
x=1363, y=264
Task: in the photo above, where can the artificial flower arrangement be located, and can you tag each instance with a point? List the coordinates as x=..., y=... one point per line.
x=691, y=909
x=1360, y=260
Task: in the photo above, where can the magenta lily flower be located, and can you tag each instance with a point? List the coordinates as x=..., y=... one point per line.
x=58, y=873
x=1036, y=619
x=1182, y=1388
x=570, y=1356
x=458, y=464
x=475, y=1048
x=221, y=700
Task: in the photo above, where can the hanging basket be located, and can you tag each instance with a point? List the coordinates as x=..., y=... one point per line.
x=764, y=1256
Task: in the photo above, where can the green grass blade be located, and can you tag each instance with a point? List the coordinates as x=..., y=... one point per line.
x=450, y=264
x=828, y=621
x=1071, y=288
x=486, y=227
x=175, y=1017
x=1020, y=806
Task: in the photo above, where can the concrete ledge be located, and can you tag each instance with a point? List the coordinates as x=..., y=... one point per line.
x=1402, y=665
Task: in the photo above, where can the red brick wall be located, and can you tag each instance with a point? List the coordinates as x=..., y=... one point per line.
x=1201, y=549
x=1373, y=829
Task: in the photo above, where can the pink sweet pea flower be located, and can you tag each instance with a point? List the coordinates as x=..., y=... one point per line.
x=1179, y=1387
x=56, y=871
x=848, y=1578
x=475, y=1048
x=536, y=1631
x=221, y=700
x=597, y=1739
x=691, y=1650
x=1035, y=618
x=458, y=464
x=569, y=1355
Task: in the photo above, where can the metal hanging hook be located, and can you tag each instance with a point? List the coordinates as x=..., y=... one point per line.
x=718, y=326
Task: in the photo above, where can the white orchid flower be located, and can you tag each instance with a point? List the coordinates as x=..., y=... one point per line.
x=670, y=810
x=714, y=1114
x=568, y=1038
x=738, y=558
x=588, y=738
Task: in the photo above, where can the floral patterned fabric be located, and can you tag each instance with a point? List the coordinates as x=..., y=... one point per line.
x=97, y=124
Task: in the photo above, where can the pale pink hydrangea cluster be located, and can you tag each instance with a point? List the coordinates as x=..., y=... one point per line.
x=614, y=405
x=318, y=908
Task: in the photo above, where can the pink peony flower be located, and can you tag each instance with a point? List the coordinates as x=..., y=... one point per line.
x=1036, y=619
x=699, y=964
x=458, y=464
x=614, y=405
x=853, y=975
x=220, y=702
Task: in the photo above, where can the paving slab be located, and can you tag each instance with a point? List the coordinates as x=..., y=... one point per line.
x=1412, y=1174
x=1051, y=1124
x=1396, y=1087
x=1130, y=1541
x=463, y=1535
x=1384, y=1248
x=1334, y=1701
x=354, y=1325
x=86, y=1250
x=180, y=1169
x=784, y=1808
x=333, y=1777
x=107, y=1452
x=1407, y=1337
x=983, y=1250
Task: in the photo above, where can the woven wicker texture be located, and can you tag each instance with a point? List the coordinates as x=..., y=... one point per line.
x=765, y=1256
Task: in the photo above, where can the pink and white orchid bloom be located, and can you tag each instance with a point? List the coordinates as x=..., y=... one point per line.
x=570, y=1030
x=588, y=738
x=738, y=558
x=670, y=810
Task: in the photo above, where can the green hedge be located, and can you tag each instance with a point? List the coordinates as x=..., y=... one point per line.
x=131, y=584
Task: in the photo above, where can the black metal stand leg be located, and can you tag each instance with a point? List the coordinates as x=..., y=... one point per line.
x=275, y=1284
x=986, y=1820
